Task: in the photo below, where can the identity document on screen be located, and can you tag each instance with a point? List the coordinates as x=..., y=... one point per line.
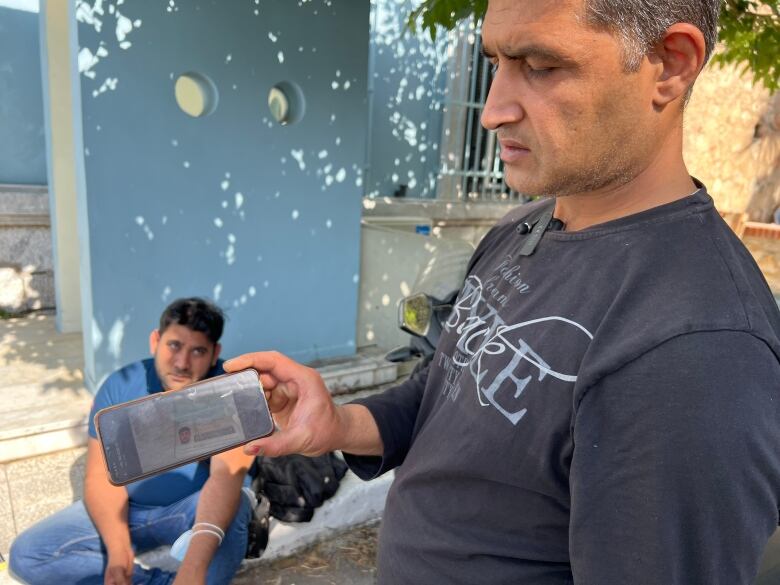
x=168, y=429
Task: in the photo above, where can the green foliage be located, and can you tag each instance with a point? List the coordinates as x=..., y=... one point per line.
x=433, y=14
x=749, y=31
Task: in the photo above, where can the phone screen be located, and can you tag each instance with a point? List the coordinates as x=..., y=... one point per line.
x=168, y=429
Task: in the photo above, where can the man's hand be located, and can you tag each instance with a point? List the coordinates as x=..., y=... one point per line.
x=119, y=568
x=310, y=422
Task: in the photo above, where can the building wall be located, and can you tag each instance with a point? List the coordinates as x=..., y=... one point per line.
x=23, y=148
x=263, y=218
x=719, y=142
x=407, y=82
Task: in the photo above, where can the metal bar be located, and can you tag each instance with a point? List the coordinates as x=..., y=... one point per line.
x=480, y=133
x=476, y=174
x=470, y=121
x=490, y=158
x=474, y=105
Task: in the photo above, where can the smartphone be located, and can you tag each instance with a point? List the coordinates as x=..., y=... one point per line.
x=165, y=430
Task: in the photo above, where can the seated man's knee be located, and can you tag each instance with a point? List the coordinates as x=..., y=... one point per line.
x=22, y=562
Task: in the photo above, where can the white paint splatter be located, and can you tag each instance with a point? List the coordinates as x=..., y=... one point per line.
x=328, y=224
x=109, y=84
x=273, y=37
x=225, y=185
x=341, y=175
x=323, y=154
x=298, y=156
x=115, y=337
x=218, y=222
x=252, y=291
x=124, y=26
x=217, y=291
x=90, y=14
x=280, y=56
x=295, y=214
x=97, y=336
x=239, y=200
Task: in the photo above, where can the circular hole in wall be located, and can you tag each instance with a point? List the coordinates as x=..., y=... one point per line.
x=286, y=103
x=196, y=94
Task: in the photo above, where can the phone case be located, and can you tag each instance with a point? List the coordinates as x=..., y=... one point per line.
x=200, y=456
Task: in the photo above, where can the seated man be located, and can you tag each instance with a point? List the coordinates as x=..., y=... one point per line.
x=96, y=540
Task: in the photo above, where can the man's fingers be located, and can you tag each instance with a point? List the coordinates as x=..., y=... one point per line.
x=271, y=363
x=284, y=442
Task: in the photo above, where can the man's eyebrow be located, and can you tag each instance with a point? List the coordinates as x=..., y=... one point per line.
x=528, y=51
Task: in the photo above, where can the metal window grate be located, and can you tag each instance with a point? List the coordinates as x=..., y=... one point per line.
x=471, y=168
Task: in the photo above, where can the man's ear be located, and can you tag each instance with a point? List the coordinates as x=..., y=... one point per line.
x=217, y=349
x=154, y=340
x=681, y=52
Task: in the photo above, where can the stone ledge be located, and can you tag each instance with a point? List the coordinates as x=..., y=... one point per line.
x=437, y=210
x=24, y=200
x=762, y=230
x=27, y=220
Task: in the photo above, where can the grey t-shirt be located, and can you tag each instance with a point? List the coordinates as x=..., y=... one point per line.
x=604, y=411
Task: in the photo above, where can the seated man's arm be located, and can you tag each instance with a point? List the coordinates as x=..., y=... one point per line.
x=218, y=502
x=676, y=468
x=107, y=505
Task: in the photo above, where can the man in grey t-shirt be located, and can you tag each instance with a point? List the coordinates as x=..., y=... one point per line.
x=615, y=418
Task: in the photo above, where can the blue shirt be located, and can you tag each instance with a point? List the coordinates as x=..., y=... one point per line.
x=137, y=380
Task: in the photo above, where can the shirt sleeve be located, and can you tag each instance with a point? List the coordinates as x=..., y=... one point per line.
x=676, y=465
x=395, y=412
x=103, y=399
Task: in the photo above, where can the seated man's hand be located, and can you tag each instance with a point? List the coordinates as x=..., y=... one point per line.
x=309, y=421
x=119, y=568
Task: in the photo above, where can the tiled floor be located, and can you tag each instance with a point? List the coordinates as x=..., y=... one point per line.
x=41, y=380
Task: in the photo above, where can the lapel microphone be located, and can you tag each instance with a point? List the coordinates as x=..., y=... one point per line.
x=556, y=225
x=536, y=229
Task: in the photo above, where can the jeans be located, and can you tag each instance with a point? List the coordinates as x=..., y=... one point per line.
x=66, y=548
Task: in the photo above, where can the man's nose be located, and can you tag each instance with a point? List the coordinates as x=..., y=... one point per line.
x=181, y=360
x=502, y=105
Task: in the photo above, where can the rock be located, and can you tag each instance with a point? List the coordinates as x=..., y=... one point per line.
x=13, y=297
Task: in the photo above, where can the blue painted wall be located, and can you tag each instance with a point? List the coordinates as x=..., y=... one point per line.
x=407, y=86
x=263, y=218
x=23, y=144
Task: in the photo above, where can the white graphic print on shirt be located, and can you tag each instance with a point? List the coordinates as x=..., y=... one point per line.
x=484, y=336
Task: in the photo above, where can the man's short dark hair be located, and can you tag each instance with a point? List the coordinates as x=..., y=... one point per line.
x=642, y=23
x=197, y=314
